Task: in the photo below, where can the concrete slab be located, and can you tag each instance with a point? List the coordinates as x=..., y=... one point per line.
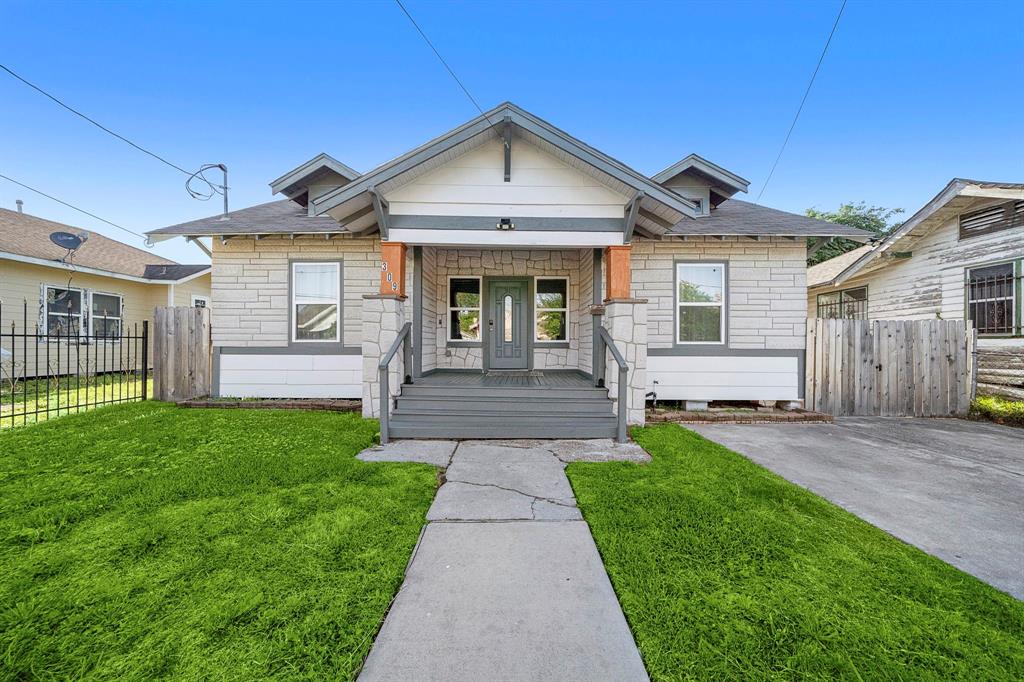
x=505, y=601
x=953, y=488
x=436, y=452
x=582, y=450
x=529, y=471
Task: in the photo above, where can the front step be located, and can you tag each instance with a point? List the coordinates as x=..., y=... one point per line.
x=431, y=411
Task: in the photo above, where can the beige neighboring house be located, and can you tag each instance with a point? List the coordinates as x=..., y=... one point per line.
x=960, y=257
x=109, y=285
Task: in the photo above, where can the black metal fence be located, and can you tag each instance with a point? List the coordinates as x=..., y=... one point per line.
x=71, y=362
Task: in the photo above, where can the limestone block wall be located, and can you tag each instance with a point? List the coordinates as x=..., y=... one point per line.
x=382, y=318
x=626, y=322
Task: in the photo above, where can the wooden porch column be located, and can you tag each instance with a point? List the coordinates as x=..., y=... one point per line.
x=617, y=273
x=392, y=268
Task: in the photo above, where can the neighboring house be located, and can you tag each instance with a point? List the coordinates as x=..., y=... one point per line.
x=104, y=288
x=506, y=243
x=960, y=257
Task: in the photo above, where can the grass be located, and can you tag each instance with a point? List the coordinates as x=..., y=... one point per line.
x=726, y=571
x=61, y=396
x=999, y=410
x=145, y=541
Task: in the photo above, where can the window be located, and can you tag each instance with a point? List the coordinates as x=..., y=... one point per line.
x=105, y=316
x=849, y=304
x=316, y=301
x=464, y=308
x=992, y=219
x=63, y=311
x=991, y=299
x=200, y=301
x=550, y=307
x=700, y=302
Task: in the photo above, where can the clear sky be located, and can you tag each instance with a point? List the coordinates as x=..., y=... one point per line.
x=910, y=94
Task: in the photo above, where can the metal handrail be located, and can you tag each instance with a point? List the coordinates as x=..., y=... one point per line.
x=403, y=339
x=609, y=343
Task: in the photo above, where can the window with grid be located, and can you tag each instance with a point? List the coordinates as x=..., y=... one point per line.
x=63, y=311
x=551, y=308
x=848, y=304
x=992, y=299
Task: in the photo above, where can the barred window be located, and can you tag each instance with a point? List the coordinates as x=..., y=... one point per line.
x=848, y=304
x=992, y=299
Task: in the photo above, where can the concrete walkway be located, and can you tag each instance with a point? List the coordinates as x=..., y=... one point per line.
x=506, y=582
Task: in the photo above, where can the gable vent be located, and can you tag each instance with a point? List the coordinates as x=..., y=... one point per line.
x=992, y=219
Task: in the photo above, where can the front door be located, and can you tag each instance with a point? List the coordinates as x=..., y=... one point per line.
x=508, y=324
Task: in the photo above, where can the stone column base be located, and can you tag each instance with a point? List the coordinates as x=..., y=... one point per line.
x=626, y=322
x=383, y=317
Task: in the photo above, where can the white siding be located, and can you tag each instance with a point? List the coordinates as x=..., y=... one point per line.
x=707, y=377
x=474, y=185
x=291, y=376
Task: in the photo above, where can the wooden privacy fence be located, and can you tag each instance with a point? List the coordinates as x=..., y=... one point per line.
x=921, y=368
x=181, y=353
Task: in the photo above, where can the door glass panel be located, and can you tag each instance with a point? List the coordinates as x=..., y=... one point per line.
x=507, y=304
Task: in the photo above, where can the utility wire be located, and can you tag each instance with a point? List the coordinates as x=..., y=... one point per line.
x=80, y=210
x=802, y=101
x=443, y=62
x=94, y=122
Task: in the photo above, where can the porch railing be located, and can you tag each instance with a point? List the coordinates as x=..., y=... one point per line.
x=404, y=339
x=607, y=342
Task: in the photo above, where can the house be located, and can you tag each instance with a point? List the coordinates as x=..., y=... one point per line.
x=960, y=257
x=511, y=256
x=97, y=293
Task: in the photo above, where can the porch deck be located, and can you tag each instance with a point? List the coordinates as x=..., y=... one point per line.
x=474, y=404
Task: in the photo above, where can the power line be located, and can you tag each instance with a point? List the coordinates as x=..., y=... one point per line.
x=443, y=62
x=95, y=122
x=802, y=101
x=80, y=210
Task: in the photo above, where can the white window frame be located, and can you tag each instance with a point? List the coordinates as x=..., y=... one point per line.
x=82, y=307
x=197, y=297
x=688, y=304
x=450, y=308
x=292, y=317
x=537, y=310
x=120, y=317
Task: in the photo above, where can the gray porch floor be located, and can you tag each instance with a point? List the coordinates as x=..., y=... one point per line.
x=552, y=378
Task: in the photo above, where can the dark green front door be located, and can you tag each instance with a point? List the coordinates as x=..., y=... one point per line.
x=508, y=324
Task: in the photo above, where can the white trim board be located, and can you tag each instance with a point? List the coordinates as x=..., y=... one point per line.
x=710, y=377
x=291, y=376
x=505, y=238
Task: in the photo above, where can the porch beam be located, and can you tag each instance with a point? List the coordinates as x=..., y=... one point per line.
x=618, y=276
x=392, y=269
x=380, y=208
x=507, y=133
x=631, y=211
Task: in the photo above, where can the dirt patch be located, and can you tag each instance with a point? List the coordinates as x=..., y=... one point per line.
x=277, y=404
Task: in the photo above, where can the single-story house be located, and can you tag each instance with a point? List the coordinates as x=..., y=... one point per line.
x=960, y=257
x=102, y=290
x=519, y=263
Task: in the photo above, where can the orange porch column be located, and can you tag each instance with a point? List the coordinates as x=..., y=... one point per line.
x=392, y=268
x=617, y=273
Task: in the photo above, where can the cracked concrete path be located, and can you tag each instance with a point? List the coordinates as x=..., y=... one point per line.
x=506, y=582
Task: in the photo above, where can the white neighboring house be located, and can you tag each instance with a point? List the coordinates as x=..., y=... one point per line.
x=960, y=257
x=504, y=246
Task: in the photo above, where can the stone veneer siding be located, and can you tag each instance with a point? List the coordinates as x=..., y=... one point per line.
x=626, y=322
x=511, y=262
x=767, y=294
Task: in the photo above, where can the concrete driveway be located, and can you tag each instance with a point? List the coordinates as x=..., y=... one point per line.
x=954, y=488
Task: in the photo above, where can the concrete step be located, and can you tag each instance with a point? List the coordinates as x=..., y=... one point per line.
x=502, y=427
x=542, y=406
x=475, y=392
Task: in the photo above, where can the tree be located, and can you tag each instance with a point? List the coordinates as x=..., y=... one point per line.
x=875, y=219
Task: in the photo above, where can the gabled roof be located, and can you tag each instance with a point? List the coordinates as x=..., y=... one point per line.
x=825, y=272
x=959, y=195
x=735, y=217
x=321, y=165
x=28, y=236
x=616, y=174
x=723, y=182
x=275, y=217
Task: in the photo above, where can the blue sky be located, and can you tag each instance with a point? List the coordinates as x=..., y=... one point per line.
x=909, y=96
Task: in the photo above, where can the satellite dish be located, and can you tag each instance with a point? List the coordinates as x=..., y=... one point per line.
x=66, y=240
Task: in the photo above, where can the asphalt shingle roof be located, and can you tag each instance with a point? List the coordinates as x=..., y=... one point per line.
x=828, y=270
x=275, y=217
x=735, y=217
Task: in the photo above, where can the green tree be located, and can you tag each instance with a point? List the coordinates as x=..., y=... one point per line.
x=875, y=219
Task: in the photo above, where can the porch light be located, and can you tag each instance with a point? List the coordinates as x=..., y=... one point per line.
x=505, y=224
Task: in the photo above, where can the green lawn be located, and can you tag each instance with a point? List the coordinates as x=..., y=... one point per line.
x=726, y=571
x=145, y=541
x=21, y=403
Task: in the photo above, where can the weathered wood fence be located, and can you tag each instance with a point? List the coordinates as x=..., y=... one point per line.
x=1001, y=372
x=181, y=353
x=920, y=368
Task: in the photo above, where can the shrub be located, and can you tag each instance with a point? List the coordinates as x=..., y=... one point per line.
x=999, y=410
